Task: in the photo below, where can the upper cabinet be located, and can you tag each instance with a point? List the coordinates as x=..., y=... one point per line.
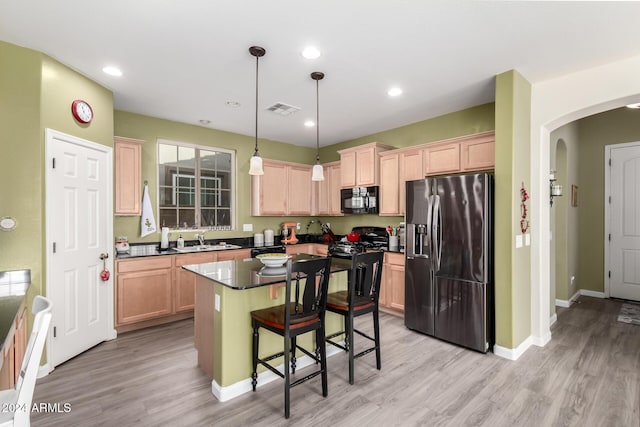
x=458, y=155
x=128, y=175
x=360, y=166
x=284, y=189
x=328, y=191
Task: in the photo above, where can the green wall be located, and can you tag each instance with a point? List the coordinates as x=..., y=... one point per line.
x=611, y=127
x=21, y=162
x=36, y=93
x=512, y=266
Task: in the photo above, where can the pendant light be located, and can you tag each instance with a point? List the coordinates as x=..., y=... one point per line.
x=255, y=164
x=317, y=172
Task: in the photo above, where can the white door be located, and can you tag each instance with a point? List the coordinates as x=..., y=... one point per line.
x=625, y=222
x=79, y=214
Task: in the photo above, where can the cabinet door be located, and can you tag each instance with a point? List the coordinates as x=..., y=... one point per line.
x=7, y=373
x=20, y=341
x=185, y=281
x=334, y=190
x=442, y=159
x=411, y=168
x=144, y=295
x=324, y=192
x=128, y=175
x=234, y=254
x=273, y=189
x=304, y=248
x=395, y=293
x=299, y=190
x=389, y=175
x=348, y=169
x=366, y=162
x=478, y=154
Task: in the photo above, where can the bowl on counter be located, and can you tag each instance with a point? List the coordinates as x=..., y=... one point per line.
x=273, y=259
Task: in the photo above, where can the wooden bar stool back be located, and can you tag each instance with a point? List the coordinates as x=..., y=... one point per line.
x=306, y=291
x=360, y=298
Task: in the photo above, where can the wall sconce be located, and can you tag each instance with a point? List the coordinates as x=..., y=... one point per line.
x=555, y=190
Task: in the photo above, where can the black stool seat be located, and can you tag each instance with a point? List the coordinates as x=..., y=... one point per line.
x=306, y=293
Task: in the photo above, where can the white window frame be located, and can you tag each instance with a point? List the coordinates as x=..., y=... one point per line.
x=197, y=177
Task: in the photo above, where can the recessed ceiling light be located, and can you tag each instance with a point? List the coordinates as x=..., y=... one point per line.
x=310, y=52
x=309, y=123
x=394, y=91
x=112, y=71
x=232, y=104
x=204, y=122
x=634, y=106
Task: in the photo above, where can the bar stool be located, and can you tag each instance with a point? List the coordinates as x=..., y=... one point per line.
x=306, y=294
x=360, y=298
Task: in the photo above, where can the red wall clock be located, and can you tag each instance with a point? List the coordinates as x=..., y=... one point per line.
x=81, y=111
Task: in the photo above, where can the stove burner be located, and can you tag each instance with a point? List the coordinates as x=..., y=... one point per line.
x=348, y=249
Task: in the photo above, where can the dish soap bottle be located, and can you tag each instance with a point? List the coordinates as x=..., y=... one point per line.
x=180, y=242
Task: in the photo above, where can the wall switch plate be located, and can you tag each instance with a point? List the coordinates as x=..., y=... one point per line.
x=527, y=239
x=518, y=241
x=297, y=226
x=247, y=227
x=217, y=302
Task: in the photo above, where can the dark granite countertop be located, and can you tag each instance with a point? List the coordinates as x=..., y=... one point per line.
x=251, y=273
x=13, y=291
x=137, y=250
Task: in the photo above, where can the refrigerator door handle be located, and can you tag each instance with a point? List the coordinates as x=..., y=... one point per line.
x=437, y=232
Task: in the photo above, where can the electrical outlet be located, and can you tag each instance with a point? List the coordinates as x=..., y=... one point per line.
x=247, y=227
x=298, y=226
x=217, y=302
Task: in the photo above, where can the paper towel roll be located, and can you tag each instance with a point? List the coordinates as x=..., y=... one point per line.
x=164, y=240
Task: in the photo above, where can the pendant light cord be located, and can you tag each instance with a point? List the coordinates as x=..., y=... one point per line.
x=317, y=122
x=255, y=153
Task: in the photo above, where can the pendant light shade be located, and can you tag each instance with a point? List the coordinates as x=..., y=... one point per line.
x=317, y=172
x=255, y=164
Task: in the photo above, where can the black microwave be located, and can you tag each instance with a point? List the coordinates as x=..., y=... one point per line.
x=359, y=200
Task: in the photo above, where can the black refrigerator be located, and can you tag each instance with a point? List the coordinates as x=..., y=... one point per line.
x=449, y=259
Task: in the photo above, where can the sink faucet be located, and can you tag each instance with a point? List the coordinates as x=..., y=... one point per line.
x=200, y=238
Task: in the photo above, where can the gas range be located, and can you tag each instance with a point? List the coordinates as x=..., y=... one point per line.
x=371, y=238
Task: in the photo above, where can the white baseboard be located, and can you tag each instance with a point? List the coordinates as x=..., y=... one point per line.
x=513, y=353
x=224, y=394
x=567, y=304
x=44, y=370
x=594, y=294
x=553, y=319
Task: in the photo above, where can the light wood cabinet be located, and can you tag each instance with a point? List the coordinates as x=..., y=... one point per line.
x=392, y=288
x=284, y=189
x=128, y=175
x=389, y=184
x=360, y=166
x=478, y=153
x=328, y=191
x=185, y=281
x=234, y=254
x=14, y=349
x=442, y=158
x=144, y=289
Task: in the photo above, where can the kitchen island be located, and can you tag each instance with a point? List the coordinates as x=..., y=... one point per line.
x=226, y=292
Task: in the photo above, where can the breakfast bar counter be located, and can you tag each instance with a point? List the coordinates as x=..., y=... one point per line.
x=226, y=292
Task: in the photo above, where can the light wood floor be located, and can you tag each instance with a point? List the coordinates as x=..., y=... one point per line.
x=588, y=375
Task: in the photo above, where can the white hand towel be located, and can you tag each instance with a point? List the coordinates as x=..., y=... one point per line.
x=147, y=221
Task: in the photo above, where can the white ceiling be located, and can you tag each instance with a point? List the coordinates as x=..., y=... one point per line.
x=182, y=60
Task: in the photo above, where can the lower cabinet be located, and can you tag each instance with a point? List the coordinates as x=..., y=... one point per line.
x=14, y=353
x=154, y=290
x=144, y=289
x=185, y=281
x=392, y=288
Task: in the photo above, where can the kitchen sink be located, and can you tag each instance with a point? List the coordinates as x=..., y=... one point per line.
x=206, y=248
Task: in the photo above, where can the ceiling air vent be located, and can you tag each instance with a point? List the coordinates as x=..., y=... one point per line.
x=283, y=109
